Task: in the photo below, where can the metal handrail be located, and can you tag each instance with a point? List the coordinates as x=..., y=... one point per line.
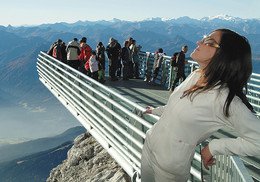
x=116, y=122
x=95, y=105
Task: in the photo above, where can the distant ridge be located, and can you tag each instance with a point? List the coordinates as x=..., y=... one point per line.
x=154, y=29
x=35, y=167
x=224, y=17
x=14, y=151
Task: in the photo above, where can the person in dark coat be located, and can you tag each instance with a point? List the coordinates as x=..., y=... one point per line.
x=125, y=55
x=113, y=53
x=180, y=64
x=100, y=50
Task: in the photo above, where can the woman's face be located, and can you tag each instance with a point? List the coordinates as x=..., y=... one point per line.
x=206, y=49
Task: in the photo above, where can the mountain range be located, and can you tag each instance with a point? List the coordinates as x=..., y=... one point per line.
x=14, y=151
x=151, y=33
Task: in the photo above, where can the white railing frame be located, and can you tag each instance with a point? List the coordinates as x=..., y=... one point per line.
x=54, y=75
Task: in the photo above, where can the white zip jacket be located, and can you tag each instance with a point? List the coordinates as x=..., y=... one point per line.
x=93, y=64
x=184, y=124
x=72, y=50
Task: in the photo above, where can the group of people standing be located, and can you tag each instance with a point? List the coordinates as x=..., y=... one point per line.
x=123, y=60
x=80, y=56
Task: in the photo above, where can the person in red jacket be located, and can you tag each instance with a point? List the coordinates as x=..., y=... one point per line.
x=85, y=53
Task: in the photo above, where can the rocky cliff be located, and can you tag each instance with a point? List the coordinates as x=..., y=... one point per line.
x=87, y=161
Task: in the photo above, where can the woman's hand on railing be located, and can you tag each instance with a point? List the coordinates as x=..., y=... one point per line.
x=207, y=157
x=148, y=110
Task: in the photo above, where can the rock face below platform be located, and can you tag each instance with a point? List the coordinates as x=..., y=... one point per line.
x=87, y=161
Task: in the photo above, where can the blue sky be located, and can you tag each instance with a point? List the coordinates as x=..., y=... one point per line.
x=35, y=12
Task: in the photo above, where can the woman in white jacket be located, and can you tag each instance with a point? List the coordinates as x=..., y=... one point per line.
x=211, y=98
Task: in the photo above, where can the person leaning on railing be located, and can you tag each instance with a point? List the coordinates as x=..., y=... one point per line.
x=210, y=98
x=158, y=59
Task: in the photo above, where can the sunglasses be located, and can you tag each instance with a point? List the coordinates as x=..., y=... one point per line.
x=207, y=40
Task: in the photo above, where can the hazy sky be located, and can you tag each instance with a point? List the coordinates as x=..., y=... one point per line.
x=35, y=12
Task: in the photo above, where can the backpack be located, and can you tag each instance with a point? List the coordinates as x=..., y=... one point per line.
x=50, y=51
x=56, y=52
x=174, y=58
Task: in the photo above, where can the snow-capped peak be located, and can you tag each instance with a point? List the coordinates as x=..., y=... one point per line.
x=221, y=17
x=153, y=19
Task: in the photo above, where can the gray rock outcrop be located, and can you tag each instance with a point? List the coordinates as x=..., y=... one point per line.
x=87, y=161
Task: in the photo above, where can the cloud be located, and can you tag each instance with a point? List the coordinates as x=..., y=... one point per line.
x=37, y=109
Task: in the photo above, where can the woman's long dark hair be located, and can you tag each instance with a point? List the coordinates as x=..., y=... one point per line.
x=231, y=67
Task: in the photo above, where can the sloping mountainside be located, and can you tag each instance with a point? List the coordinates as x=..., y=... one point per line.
x=27, y=109
x=18, y=63
x=35, y=167
x=32, y=161
x=10, y=152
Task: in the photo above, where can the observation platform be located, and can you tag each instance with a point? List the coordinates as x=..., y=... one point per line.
x=140, y=92
x=112, y=113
